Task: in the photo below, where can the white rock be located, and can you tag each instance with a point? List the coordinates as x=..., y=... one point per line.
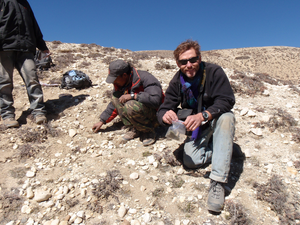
x=41, y=196
x=185, y=222
x=55, y=222
x=73, y=218
x=132, y=211
x=177, y=222
x=29, y=193
x=78, y=220
x=60, y=196
x=135, y=222
x=72, y=132
x=134, y=176
x=256, y=131
x=269, y=168
x=143, y=188
x=11, y=223
x=30, y=174
x=122, y=211
x=151, y=159
x=244, y=111
x=180, y=171
x=81, y=214
x=247, y=153
x=266, y=93
x=147, y=218
x=251, y=113
x=26, y=209
x=155, y=178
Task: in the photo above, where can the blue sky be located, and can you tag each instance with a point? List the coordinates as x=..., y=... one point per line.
x=162, y=24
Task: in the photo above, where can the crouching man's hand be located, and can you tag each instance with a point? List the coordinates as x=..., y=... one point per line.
x=97, y=126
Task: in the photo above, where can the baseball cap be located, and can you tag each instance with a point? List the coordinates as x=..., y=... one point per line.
x=117, y=68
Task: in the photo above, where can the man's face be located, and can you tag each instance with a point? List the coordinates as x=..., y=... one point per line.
x=121, y=80
x=190, y=68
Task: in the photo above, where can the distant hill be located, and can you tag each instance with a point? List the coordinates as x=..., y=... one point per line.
x=277, y=61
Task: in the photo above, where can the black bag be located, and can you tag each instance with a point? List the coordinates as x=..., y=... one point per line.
x=182, y=114
x=75, y=79
x=42, y=60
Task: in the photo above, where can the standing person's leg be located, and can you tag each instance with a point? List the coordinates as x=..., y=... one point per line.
x=222, y=152
x=27, y=69
x=7, y=60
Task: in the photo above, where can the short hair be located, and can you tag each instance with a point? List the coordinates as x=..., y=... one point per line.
x=186, y=45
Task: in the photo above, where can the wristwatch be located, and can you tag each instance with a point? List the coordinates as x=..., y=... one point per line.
x=132, y=95
x=205, y=116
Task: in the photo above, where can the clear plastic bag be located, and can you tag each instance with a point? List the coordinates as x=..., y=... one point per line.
x=176, y=131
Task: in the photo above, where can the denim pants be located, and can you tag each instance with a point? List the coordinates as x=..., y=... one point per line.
x=24, y=63
x=213, y=146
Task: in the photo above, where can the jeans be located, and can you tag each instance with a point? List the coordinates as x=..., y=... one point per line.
x=24, y=63
x=213, y=146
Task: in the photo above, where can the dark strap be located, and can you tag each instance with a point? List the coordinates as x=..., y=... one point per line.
x=199, y=100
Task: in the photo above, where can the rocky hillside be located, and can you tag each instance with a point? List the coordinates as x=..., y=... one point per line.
x=63, y=173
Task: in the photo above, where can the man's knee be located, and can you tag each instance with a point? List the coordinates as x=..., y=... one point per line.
x=226, y=121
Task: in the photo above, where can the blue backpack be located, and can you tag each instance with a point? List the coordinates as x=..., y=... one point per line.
x=75, y=79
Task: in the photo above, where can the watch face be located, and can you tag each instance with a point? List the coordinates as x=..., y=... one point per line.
x=205, y=115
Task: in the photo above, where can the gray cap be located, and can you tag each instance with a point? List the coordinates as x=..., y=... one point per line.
x=117, y=68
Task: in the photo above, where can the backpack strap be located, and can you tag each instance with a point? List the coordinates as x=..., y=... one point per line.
x=202, y=84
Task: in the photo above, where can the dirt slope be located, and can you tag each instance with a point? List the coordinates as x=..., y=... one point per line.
x=63, y=173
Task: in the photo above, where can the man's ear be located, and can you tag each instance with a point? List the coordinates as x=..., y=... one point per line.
x=177, y=63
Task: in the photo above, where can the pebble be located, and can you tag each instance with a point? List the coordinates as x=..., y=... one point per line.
x=122, y=211
x=29, y=193
x=72, y=132
x=147, y=218
x=30, y=174
x=134, y=176
x=256, y=131
x=41, y=196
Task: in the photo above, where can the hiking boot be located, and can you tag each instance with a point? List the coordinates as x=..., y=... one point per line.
x=10, y=122
x=149, y=138
x=131, y=134
x=216, y=196
x=40, y=119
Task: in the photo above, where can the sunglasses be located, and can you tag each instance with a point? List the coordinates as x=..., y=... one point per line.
x=191, y=60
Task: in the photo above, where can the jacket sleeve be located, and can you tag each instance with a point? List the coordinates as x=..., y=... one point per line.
x=108, y=114
x=172, y=100
x=218, y=94
x=151, y=96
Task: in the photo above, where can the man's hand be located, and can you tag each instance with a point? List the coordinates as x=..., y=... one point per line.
x=193, y=121
x=97, y=126
x=169, y=117
x=125, y=98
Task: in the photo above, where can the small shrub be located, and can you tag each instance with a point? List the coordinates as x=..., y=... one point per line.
x=275, y=193
x=237, y=214
x=158, y=192
x=108, y=186
x=187, y=207
x=160, y=64
x=177, y=182
x=146, y=154
x=281, y=120
x=95, y=207
x=170, y=158
x=27, y=151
